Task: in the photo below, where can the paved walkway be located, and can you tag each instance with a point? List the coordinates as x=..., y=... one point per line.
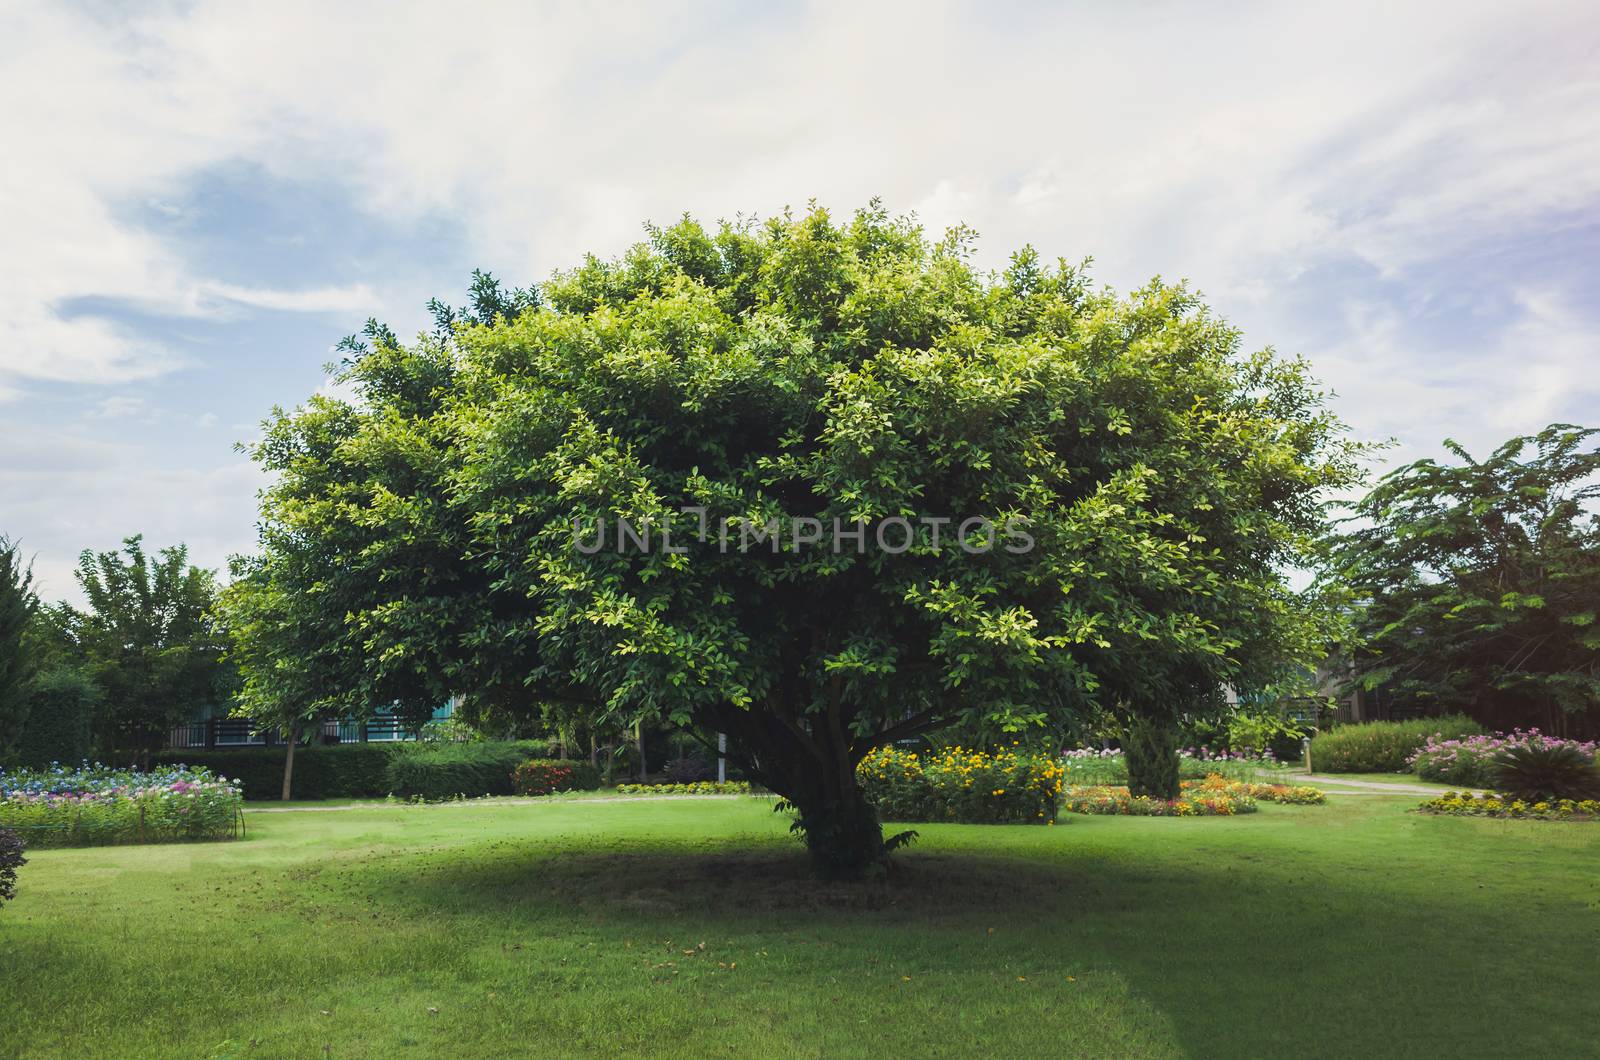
x=1343, y=786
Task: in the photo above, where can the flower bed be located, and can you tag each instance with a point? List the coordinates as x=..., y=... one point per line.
x=1286, y=794
x=693, y=787
x=973, y=787
x=1468, y=804
x=1470, y=760
x=1198, y=802
x=1215, y=796
x=1096, y=768
x=97, y=806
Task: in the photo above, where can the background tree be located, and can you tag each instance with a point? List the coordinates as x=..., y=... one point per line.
x=149, y=641
x=1478, y=583
x=807, y=371
x=19, y=607
x=280, y=654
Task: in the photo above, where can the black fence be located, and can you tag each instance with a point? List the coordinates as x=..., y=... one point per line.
x=222, y=733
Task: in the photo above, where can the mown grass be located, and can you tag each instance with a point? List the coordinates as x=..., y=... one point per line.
x=689, y=928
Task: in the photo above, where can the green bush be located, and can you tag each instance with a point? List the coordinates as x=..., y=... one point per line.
x=544, y=776
x=337, y=771
x=11, y=860
x=1383, y=746
x=443, y=771
x=374, y=770
x=61, y=709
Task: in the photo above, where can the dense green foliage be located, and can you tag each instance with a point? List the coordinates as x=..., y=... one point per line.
x=374, y=770
x=1383, y=746
x=802, y=375
x=149, y=640
x=1478, y=584
x=11, y=860
x=18, y=606
x=1547, y=773
x=62, y=708
x=561, y=929
x=443, y=771
x=342, y=771
x=1150, y=749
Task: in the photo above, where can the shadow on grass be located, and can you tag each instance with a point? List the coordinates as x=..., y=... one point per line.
x=1247, y=955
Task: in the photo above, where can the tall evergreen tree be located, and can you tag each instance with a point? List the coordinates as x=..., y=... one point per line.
x=19, y=605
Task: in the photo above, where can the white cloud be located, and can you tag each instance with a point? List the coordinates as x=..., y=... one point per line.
x=66, y=490
x=117, y=407
x=1247, y=147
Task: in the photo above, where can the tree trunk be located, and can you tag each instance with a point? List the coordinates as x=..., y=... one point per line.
x=842, y=834
x=812, y=766
x=1150, y=748
x=638, y=739
x=288, y=762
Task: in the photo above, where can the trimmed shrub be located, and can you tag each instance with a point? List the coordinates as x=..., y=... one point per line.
x=444, y=771
x=1546, y=773
x=337, y=771
x=545, y=776
x=61, y=710
x=1383, y=746
x=11, y=860
x=1150, y=749
x=973, y=787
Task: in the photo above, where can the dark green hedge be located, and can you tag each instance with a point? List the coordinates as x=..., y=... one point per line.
x=341, y=771
x=373, y=770
x=1383, y=746
x=61, y=709
x=442, y=771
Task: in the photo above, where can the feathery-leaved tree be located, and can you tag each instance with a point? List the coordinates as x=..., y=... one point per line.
x=1479, y=583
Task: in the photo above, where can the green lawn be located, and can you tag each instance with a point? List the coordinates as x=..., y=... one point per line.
x=687, y=927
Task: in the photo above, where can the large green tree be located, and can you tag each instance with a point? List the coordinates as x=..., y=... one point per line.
x=149, y=639
x=1136, y=487
x=1478, y=583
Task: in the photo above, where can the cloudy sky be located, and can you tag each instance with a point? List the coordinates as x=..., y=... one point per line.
x=200, y=199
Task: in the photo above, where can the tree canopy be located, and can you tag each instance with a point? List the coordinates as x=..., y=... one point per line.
x=148, y=639
x=1478, y=582
x=780, y=383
